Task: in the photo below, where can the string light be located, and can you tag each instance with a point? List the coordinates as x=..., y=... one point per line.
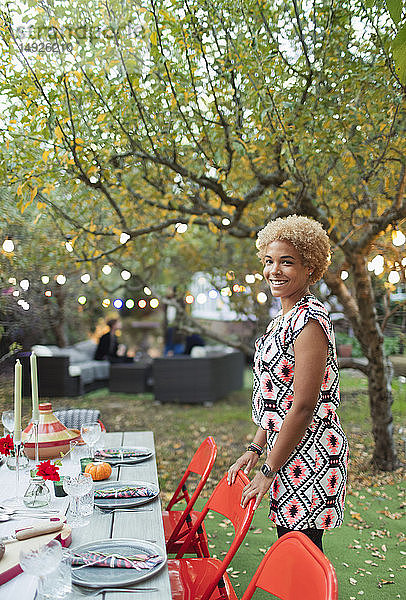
x=85, y=278
x=142, y=303
x=82, y=300
x=48, y=293
x=68, y=246
x=61, y=279
x=213, y=294
x=118, y=303
x=106, y=269
x=189, y=299
x=24, y=284
x=258, y=276
x=125, y=275
x=106, y=302
x=394, y=277
x=124, y=237
x=147, y=291
x=45, y=279
x=226, y=291
x=16, y=293
x=249, y=278
x=226, y=222
x=129, y=303
x=154, y=303
x=201, y=298
x=8, y=245
x=344, y=275
x=12, y=280
x=181, y=227
x=398, y=237
x=262, y=297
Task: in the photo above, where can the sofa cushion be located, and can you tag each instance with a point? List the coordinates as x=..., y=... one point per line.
x=86, y=371
x=87, y=347
x=101, y=369
x=41, y=350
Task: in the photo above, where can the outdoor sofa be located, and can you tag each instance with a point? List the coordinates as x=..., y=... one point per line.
x=70, y=371
x=210, y=373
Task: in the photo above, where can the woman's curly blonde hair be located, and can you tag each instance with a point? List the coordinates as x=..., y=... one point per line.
x=306, y=235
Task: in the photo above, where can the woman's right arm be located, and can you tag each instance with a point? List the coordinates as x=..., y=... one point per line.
x=249, y=459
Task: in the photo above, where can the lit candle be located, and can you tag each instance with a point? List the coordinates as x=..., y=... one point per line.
x=17, y=401
x=34, y=386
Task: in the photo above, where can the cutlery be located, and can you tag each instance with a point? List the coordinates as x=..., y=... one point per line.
x=29, y=532
x=108, y=511
x=7, y=517
x=87, y=592
x=11, y=511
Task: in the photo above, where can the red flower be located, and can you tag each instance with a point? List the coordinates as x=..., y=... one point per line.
x=47, y=470
x=6, y=445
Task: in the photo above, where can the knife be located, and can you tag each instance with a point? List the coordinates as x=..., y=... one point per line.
x=29, y=532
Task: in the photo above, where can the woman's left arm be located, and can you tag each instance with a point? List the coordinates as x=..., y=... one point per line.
x=310, y=349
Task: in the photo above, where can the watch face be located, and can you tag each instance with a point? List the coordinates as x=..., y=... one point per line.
x=266, y=470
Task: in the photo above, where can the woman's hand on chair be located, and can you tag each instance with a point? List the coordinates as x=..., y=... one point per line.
x=246, y=462
x=257, y=487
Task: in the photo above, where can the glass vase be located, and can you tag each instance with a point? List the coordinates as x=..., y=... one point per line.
x=37, y=494
x=11, y=461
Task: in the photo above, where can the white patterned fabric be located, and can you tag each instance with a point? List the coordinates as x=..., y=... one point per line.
x=309, y=490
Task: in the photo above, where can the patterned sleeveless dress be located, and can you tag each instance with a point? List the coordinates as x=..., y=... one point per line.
x=309, y=490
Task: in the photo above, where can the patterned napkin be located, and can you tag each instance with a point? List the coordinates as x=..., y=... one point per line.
x=122, y=453
x=139, y=561
x=125, y=492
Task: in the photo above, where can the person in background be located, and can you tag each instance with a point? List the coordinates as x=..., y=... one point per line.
x=108, y=347
x=296, y=390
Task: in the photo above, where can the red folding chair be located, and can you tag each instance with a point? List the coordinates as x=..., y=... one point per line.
x=206, y=578
x=178, y=523
x=294, y=568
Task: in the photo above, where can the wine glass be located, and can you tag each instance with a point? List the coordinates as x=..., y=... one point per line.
x=77, y=486
x=91, y=433
x=7, y=418
x=42, y=562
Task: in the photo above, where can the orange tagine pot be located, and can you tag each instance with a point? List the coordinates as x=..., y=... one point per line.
x=53, y=436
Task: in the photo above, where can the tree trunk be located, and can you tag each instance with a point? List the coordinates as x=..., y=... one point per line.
x=370, y=337
x=58, y=324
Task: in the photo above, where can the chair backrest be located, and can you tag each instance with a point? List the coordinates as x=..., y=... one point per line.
x=294, y=568
x=201, y=464
x=76, y=417
x=225, y=500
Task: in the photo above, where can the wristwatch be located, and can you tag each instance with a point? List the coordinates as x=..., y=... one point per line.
x=267, y=471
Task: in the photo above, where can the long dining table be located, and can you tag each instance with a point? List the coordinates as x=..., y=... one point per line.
x=144, y=524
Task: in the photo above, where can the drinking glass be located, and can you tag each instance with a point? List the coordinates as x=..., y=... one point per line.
x=77, y=451
x=77, y=486
x=43, y=562
x=7, y=418
x=91, y=433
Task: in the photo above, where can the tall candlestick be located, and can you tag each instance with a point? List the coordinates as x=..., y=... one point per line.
x=17, y=401
x=34, y=386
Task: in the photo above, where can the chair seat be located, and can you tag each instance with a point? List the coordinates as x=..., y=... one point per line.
x=189, y=577
x=170, y=520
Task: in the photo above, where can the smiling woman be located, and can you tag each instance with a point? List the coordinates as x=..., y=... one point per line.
x=296, y=389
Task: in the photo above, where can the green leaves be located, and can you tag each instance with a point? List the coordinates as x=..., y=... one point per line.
x=395, y=8
x=399, y=53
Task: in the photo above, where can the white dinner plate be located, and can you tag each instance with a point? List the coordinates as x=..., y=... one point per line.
x=98, y=577
x=123, y=502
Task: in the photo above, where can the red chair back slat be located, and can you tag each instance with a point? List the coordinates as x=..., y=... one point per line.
x=201, y=464
x=294, y=568
x=225, y=500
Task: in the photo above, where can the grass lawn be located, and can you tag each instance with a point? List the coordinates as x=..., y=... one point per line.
x=367, y=552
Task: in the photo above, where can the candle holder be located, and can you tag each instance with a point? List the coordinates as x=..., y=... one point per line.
x=35, y=424
x=17, y=499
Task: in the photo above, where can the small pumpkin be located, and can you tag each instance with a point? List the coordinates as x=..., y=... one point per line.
x=98, y=471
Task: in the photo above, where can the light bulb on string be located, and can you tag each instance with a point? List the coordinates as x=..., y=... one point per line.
x=398, y=237
x=8, y=245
